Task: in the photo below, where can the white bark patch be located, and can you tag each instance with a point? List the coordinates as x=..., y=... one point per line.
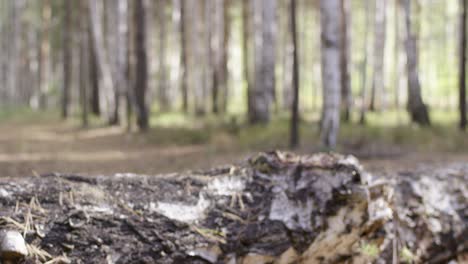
x=229, y=185
x=183, y=212
x=293, y=214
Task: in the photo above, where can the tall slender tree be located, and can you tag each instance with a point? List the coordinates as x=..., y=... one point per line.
x=345, y=58
x=44, y=53
x=183, y=55
x=462, y=70
x=377, y=99
x=265, y=38
x=163, y=87
x=141, y=65
x=415, y=105
x=365, y=50
x=109, y=103
x=67, y=58
x=331, y=73
x=246, y=23
x=83, y=62
x=295, y=79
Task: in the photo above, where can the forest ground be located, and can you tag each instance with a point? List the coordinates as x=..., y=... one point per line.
x=32, y=144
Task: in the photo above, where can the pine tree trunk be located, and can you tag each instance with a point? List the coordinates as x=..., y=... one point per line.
x=346, y=58
x=183, y=56
x=67, y=58
x=295, y=79
x=331, y=72
x=93, y=76
x=44, y=54
x=198, y=58
x=462, y=73
x=378, y=82
x=265, y=37
x=415, y=105
x=141, y=67
x=246, y=25
x=84, y=63
x=108, y=86
x=163, y=87
x=365, y=50
x=224, y=74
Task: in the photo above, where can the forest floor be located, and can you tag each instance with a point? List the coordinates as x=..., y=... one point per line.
x=34, y=145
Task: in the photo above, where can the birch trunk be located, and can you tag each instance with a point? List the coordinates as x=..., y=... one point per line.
x=331, y=72
x=67, y=58
x=265, y=37
x=163, y=87
x=378, y=82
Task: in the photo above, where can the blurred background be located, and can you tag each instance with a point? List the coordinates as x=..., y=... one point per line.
x=153, y=86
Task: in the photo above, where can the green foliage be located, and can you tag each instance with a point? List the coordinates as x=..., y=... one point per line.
x=369, y=249
x=406, y=255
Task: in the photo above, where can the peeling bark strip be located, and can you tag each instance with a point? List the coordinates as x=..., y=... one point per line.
x=275, y=208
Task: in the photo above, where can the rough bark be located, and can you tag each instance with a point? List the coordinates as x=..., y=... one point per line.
x=67, y=58
x=141, y=65
x=295, y=78
x=345, y=59
x=377, y=100
x=415, y=105
x=264, y=52
x=276, y=208
x=462, y=69
x=331, y=72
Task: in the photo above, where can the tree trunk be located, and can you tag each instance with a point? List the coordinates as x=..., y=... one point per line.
x=108, y=89
x=365, y=50
x=265, y=37
x=345, y=58
x=163, y=87
x=286, y=53
x=462, y=69
x=246, y=25
x=198, y=60
x=183, y=56
x=331, y=72
x=44, y=62
x=295, y=79
x=141, y=66
x=224, y=74
x=378, y=83
x=93, y=76
x=415, y=105
x=67, y=58
x=84, y=63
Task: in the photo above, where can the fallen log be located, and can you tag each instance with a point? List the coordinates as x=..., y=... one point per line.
x=274, y=208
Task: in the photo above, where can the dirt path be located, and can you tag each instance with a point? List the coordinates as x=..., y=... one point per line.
x=51, y=146
x=27, y=149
